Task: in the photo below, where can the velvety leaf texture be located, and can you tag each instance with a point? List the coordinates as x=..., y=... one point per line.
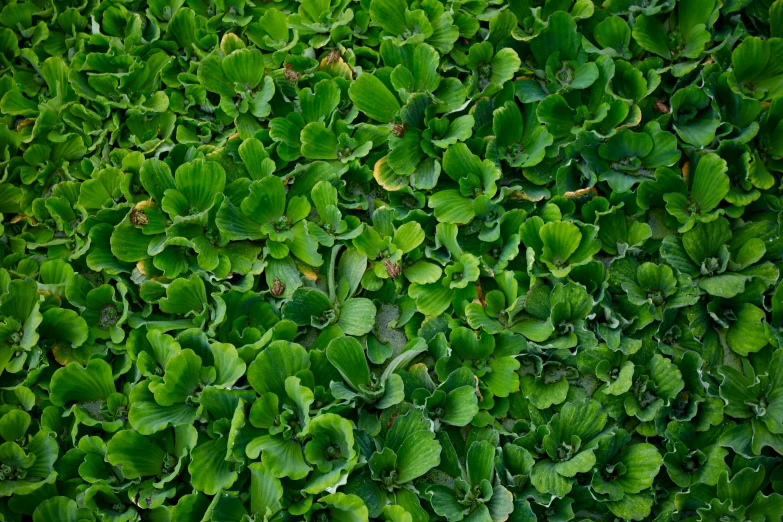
x=391, y=260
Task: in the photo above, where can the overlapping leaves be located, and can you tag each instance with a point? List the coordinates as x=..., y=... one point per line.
x=391, y=260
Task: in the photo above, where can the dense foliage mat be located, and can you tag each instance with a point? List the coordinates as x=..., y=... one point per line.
x=375, y=260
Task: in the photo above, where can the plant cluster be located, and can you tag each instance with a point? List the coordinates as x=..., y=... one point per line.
x=391, y=260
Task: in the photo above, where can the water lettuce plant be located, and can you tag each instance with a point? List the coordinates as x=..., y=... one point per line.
x=391, y=260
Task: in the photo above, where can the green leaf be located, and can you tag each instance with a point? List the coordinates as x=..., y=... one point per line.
x=415, y=446
x=642, y=462
x=266, y=201
x=156, y=178
x=613, y=32
x=545, y=479
x=558, y=116
x=305, y=305
x=14, y=424
x=632, y=507
x=181, y=379
x=135, y=455
x=73, y=383
x=229, y=368
x=280, y=360
x=60, y=508
x=373, y=98
x=319, y=103
x=651, y=35
x=148, y=417
x=209, y=468
x=479, y=463
x=347, y=355
x=318, y=142
x=580, y=463
x=750, y=332
x=431, y=300
x=560, y=240
x=283, y=457
x=560, y=36
x=445, y=503
x=266, y=491
x=502, y=379
x=357, y=316
x=389, y=15
x=199, y=182
x=345, y=508
x=422, y=272
x=184, y=296
x=710, y=182
x=461, y=406
x=244, y=67
x=451, y=207
x=350, y=270
x=64, y=325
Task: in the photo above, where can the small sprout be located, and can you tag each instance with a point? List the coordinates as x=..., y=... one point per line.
x=333, y=452
x=108, y=316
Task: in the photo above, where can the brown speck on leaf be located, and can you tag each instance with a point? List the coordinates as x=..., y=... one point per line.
x=20, y=217
x=63, y=353
x=480, y=295
x=138, y=217
x=478, y=389
x=391, y=421
x=333, y=57
x=290, y=74
x=686, y=170
x=140, y=267
x=308, y=272
x=660, y=106
x=580, y=192
x=393, y=269
x=520, y=195
x=278, y=288
x=398, y=129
